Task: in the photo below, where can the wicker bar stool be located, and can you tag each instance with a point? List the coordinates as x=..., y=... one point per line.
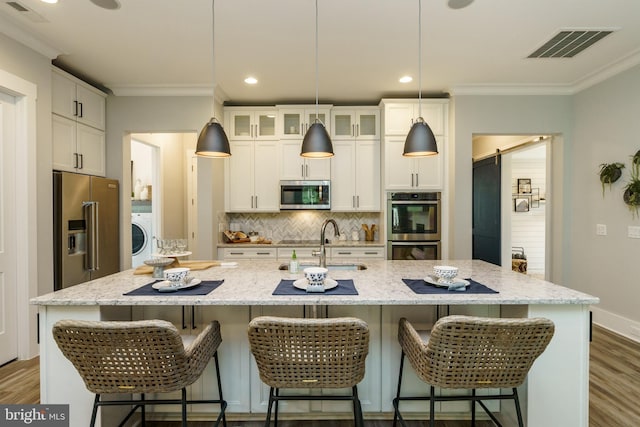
x=139, y=357
x=310, y=354
x=465, y=352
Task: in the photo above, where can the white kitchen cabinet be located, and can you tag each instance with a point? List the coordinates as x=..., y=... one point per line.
x=78, y=123
x=303, y=253
x=251, y=123
x=295, y=167
x=294, y=121
x=74, y=99
x=413, y=173
x=359, y=123
x=252, y=179
x=358, y=253
x=355, y=175
x=77, y=147
x=399, y=115
x=241, y=252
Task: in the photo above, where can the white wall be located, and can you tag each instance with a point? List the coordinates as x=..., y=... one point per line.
x=528, y=228
x=606, y=130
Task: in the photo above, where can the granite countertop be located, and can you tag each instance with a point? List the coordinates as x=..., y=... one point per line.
x=252, y=283
x=304, y=243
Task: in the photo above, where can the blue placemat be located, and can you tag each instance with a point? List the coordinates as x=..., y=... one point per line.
x=419, y=286
x=203, y=288
x=345, y=287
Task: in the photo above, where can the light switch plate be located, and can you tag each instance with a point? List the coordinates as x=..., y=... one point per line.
x=633, y=232
x=601, y=229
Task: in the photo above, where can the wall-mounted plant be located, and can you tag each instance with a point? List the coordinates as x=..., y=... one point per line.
x=631, y=194
x=610, y=173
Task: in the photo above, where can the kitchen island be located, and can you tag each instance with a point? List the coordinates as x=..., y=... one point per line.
x=556, y=393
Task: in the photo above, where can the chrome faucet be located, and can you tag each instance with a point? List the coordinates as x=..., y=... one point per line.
x=322, y=253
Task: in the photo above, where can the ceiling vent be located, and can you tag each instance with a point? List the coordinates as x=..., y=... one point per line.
x=569, y=43
x=27, y=12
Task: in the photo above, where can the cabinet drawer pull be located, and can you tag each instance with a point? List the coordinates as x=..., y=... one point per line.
x=370, y=253
x=236, y=253
x=344, y=253
x=263, y=253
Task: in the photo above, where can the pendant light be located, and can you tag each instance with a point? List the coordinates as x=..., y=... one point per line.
x=420, y=141
x=213, y=142
x=316, y=142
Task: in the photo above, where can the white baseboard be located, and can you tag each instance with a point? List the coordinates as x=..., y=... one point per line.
x=616, y=323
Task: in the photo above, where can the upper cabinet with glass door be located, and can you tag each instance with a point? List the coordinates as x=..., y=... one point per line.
x=251, y=123
x=361, y=123
x=295, y=120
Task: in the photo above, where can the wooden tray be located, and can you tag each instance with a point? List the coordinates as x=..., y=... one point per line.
x=193, y=265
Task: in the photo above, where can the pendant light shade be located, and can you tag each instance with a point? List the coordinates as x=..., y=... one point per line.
x=420, y=141
x=316, y=142
x=212, y=141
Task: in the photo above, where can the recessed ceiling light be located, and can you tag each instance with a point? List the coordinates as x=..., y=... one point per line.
x=405, y=79
x=50, y=1
x=251, y=80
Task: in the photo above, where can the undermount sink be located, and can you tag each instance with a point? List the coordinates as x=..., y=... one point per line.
x=337, y=266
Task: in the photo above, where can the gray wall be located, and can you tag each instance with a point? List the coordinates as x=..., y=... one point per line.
x=510, y=115
x=607, y=125
x=139, y=114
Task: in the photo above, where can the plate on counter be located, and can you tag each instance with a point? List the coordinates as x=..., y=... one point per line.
x=303, y=283
x=455, y=283
x=166, y=286
x=172, y=254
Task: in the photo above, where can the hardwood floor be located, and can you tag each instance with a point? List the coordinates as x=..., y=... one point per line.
x=614, y=388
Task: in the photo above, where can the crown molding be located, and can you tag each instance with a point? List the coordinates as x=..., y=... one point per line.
x=506, y=89
x=166, y=90
x=608, y=71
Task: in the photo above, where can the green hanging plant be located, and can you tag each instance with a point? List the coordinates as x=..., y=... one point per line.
x=631, y=195
x=610, y=173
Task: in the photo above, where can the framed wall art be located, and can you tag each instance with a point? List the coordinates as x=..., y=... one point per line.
x=524, y=185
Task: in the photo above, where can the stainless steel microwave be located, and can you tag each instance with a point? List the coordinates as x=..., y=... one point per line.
x=299, y=195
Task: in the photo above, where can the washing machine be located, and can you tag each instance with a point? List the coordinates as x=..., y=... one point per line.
x=141, y=238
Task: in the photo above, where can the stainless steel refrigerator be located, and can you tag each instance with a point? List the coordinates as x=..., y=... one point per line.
x=85, y=228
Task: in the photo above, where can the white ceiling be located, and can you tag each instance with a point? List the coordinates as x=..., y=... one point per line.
x=365, y=46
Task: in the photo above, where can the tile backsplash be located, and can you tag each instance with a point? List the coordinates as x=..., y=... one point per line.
x=300, y=225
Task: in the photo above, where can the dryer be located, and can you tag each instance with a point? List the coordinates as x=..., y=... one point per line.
x=141, y=238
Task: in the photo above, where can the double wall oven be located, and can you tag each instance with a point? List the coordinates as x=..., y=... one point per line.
x=413, y=225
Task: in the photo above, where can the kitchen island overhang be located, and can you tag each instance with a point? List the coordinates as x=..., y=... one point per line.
x=557, y=389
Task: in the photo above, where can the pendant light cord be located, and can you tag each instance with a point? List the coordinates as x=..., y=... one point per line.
x=213, y=56
x=419, y=58
x=317, y=106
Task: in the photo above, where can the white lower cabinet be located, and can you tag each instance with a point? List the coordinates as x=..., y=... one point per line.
x=248, y=253
x=368, y=389
x=356, y=253
x=303, y=254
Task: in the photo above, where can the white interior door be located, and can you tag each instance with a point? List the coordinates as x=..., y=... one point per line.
x=8, y=267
